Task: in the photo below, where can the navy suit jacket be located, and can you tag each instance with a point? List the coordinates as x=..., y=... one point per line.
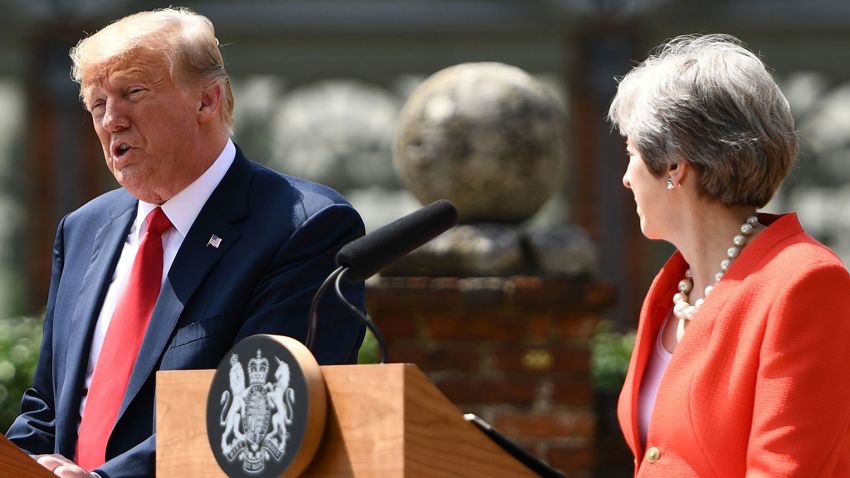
x=279, y=238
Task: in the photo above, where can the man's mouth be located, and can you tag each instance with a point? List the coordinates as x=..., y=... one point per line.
x=120, y=149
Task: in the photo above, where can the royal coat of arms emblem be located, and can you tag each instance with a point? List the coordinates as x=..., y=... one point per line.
x=255, y=416
x=266, y=408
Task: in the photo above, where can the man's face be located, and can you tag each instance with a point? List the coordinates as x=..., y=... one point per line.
x=147, y=123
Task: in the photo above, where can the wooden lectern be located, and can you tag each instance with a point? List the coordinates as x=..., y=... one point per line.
x=15, y=462
x=385, y=420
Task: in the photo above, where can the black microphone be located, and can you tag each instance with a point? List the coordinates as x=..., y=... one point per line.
x=362, y=258
x=366, y=256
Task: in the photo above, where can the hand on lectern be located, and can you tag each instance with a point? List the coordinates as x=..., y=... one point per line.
x=63, y=467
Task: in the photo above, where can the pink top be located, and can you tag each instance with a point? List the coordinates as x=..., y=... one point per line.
x=651, y=380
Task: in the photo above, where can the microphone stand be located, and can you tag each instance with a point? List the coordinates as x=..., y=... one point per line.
x=336, y=278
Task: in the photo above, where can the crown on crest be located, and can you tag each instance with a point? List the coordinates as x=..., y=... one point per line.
x=258, y=369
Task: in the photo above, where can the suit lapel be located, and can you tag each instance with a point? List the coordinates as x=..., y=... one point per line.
x=194, y=260
x=108, y=242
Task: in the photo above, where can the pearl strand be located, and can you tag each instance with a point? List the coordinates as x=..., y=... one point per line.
x=681, y=307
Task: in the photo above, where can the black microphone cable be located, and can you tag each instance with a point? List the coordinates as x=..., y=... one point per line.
x=336, y=278
x=379, y=337
x=312, y=316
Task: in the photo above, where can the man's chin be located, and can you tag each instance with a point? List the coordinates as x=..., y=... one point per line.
x=141, y=192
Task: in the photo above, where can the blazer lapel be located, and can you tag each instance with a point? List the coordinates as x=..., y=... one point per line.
x=108, y=242
x=227, y=204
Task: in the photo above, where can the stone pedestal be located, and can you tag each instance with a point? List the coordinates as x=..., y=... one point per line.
x=514, y=350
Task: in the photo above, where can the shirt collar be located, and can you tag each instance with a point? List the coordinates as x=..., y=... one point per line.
x=184, y=207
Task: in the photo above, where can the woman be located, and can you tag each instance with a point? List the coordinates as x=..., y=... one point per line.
x=741, y=362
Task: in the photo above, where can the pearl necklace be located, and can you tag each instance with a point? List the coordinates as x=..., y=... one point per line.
x=681, y=307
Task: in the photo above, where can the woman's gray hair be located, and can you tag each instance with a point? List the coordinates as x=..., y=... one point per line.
x=707, y=100
x=185, y=39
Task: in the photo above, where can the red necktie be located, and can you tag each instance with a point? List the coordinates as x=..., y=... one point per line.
x=121, y=345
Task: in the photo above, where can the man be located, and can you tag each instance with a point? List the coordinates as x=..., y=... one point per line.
x=198, y=249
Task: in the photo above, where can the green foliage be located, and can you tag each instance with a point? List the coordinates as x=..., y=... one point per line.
x=369, y=349
x=20, y=338
x=611, y=353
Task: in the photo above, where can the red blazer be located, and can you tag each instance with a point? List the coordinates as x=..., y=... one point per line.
x=759, y=386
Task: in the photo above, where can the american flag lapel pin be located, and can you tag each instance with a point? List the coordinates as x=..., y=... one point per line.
x=214, y=241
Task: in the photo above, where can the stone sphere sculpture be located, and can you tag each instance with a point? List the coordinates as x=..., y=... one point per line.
x=486, y=136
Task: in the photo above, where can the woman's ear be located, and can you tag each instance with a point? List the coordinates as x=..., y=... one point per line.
x=678, y=172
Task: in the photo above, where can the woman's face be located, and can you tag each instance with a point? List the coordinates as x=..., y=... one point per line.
x=650, y=192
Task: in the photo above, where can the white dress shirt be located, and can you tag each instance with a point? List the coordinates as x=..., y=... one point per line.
x=181, y=210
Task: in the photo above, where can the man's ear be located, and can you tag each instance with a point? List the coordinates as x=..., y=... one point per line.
x=209, y=107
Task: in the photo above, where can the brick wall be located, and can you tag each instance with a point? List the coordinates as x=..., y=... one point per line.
x=515, y=351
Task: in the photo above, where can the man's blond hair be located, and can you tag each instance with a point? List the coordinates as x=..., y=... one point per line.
x=185, y=39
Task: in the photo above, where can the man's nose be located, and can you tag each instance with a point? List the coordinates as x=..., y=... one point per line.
x=114, y=119
x=626, y=182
